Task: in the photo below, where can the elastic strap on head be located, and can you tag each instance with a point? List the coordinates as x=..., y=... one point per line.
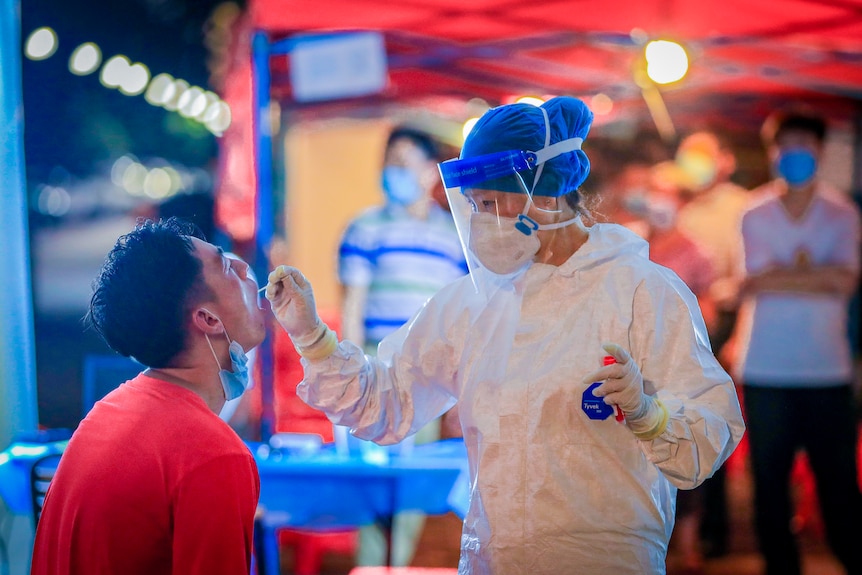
x=545, y=147
x=552, y=151
x=557, y=149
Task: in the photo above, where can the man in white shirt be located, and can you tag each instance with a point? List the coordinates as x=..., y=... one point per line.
x=801, y=243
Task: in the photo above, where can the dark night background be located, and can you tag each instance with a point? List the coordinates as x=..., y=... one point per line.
x=74, y=128
x=75, y=122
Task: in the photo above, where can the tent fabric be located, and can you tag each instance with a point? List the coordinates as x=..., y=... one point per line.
x=498, y=48
x=237, y=180
x=745, y=59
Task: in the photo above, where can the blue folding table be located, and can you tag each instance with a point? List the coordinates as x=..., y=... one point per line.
x=324, y=491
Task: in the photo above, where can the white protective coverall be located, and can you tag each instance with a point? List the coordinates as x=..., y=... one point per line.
x=552, y=491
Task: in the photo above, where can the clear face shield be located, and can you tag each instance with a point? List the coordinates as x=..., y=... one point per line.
x=496, y=213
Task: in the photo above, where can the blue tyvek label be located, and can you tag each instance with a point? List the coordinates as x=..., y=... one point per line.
x=595, y=407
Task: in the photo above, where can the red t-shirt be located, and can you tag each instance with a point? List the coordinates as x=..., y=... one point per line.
x=152, y=482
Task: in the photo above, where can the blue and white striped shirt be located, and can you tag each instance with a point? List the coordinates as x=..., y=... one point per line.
x=402, y=261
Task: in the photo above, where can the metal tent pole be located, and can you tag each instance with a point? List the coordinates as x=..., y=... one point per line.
x=18, y=412
x=264, y=214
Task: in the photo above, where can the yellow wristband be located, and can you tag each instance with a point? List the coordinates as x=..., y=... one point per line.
x=659, y=427
x=322, y=348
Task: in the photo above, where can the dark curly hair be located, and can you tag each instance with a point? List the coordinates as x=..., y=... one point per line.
x=148, y=282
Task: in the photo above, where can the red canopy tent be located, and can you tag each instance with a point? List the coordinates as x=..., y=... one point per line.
x=745, y=55
x=496, y=48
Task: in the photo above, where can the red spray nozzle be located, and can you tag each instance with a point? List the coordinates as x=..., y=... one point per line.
x=608, y=360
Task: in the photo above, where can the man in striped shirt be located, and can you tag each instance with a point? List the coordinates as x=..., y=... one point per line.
x=392, y=258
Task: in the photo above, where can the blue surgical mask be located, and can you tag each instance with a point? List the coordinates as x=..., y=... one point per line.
x=797, y=166
x=401, y=185
x=235, y=380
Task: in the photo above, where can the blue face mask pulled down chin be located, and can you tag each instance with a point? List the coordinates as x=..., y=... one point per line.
x=797, y=166
x=235, y=380
x=401, y=185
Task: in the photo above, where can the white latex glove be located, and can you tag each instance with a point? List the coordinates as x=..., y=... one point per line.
x=624, y=386
x=292, y=301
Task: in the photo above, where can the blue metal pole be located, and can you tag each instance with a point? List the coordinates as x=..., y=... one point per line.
x=264, y=213
x=18, y=412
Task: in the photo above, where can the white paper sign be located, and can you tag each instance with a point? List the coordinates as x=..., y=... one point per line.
x=328, y=68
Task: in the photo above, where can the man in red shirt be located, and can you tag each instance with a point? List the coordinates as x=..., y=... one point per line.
x=153, y=482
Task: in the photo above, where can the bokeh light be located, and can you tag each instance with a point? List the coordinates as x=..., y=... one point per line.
x=180, y=87
x=114, y=71
x=85, y=59
x=157, y=184
x=188, y=100
x=135, y=80
x=133, y=179
x=132, y=79
x=666, y=61
x=203, y=105
x=53, y=201
x=160, y=90
x=468, y=127
x=118, y=169
x=532, y=100
x=601, y=104
x=220, y=120
x=41, y=44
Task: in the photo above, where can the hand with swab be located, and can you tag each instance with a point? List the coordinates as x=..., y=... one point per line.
x=292, y=301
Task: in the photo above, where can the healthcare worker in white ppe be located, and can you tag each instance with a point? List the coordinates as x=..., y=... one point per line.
x=574, y=465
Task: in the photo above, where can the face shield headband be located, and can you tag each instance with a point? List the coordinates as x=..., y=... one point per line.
x=472, y=172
